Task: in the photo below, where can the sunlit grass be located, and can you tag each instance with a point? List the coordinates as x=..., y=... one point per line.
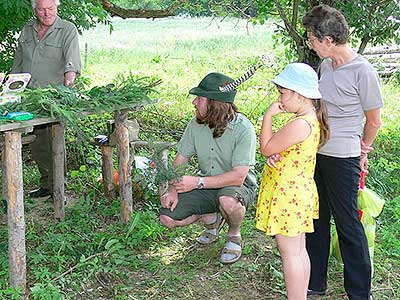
x=179, y=52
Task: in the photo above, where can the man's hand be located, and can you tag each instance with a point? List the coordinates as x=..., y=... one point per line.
x=169, y=200
x=186, y=184
x=271, y=161
x=69, y=78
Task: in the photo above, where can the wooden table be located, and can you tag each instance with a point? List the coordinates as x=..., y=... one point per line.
x=13, y=189
x=13, y=183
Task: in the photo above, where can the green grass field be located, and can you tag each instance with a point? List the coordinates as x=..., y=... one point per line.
x=142, y=260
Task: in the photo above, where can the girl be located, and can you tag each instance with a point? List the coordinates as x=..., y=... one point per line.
x=288, y=199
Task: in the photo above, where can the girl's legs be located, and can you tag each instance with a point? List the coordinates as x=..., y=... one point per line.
x=306, y=261
x=296, y=265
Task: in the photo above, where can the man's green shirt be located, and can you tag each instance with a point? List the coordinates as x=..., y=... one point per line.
x=49, y=58
x=236, y=147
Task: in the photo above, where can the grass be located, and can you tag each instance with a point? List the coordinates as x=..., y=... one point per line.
x=104, y=259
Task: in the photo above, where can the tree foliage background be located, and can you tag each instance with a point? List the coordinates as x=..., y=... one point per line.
x=15, y=13
x=372, y=22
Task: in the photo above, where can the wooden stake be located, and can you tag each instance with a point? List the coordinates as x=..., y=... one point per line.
x=107, y=169
x=58, y=143
x=4, y=175
x=124, y=167
x=15, y=213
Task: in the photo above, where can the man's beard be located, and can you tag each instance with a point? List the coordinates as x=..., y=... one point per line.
x=200, y=119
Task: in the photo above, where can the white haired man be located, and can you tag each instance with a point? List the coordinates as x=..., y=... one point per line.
x=48, y=49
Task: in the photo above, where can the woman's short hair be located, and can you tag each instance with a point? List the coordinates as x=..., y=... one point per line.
x=56, y=2
x=323, y=20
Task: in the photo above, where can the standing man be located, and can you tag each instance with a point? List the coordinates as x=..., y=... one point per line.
x=48, y=49
x=224, y=142
x=350, y=88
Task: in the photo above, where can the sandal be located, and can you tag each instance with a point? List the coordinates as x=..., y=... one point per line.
x=232, y=250
x=207, y=237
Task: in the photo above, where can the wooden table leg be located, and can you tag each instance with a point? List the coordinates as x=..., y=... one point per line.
x=4, y=175
x=15, y=211
x=124, y=166
x=58, y=146
x=107, y=170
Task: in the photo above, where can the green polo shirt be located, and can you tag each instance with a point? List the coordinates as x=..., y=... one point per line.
x=236, y=147
x=49, y=58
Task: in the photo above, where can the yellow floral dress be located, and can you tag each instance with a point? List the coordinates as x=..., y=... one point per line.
x=288, y=197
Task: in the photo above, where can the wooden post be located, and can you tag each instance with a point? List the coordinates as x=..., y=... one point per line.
x=24, y=140
x=58, y=146
x=15, y=212
x=4, y=175
x=107, y=169
x=124, y=167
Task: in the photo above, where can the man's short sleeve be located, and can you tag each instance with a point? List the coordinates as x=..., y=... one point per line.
x=71, y=50
x=245, y=147
x=186, y=144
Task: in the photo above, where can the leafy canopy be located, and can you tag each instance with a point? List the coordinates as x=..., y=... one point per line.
x=372, y=21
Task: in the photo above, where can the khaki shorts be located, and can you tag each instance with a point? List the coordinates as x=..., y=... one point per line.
x=200, y=202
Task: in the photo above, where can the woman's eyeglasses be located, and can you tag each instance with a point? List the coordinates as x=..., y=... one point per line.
x=310, y=41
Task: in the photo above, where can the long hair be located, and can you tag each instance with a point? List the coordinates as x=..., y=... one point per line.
x=322, y=116
x=218, y=116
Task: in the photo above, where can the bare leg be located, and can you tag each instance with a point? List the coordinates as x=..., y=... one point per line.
x=306, y=262
x=171, y=223
x=233, y=212
x=209, y=218
x=291, y=250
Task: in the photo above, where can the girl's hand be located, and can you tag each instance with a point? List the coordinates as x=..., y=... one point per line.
x=274, y=109
x=273, y=159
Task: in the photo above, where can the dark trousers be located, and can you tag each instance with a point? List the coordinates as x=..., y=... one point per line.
x=337, y=181
x=41, y=153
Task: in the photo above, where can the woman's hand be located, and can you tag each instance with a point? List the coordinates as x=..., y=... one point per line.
x=365, y=149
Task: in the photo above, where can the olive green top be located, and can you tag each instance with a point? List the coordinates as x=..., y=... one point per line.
x=49, y=58
x=236, y=147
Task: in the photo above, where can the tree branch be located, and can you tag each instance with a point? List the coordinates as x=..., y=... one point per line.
x=115, y=10
x=295, y=12
x=292, y=31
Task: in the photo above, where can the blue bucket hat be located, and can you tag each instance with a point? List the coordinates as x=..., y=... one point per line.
x=300, y=78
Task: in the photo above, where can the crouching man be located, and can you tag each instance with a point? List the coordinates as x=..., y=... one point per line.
x=224, y=142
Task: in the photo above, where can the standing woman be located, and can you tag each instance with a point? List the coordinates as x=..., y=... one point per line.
x=351, y=90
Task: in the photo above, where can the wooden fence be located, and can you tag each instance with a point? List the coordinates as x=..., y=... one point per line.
x=385, y=60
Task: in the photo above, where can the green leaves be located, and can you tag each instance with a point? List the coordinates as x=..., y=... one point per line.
x=69, y=105
x=165, y=171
